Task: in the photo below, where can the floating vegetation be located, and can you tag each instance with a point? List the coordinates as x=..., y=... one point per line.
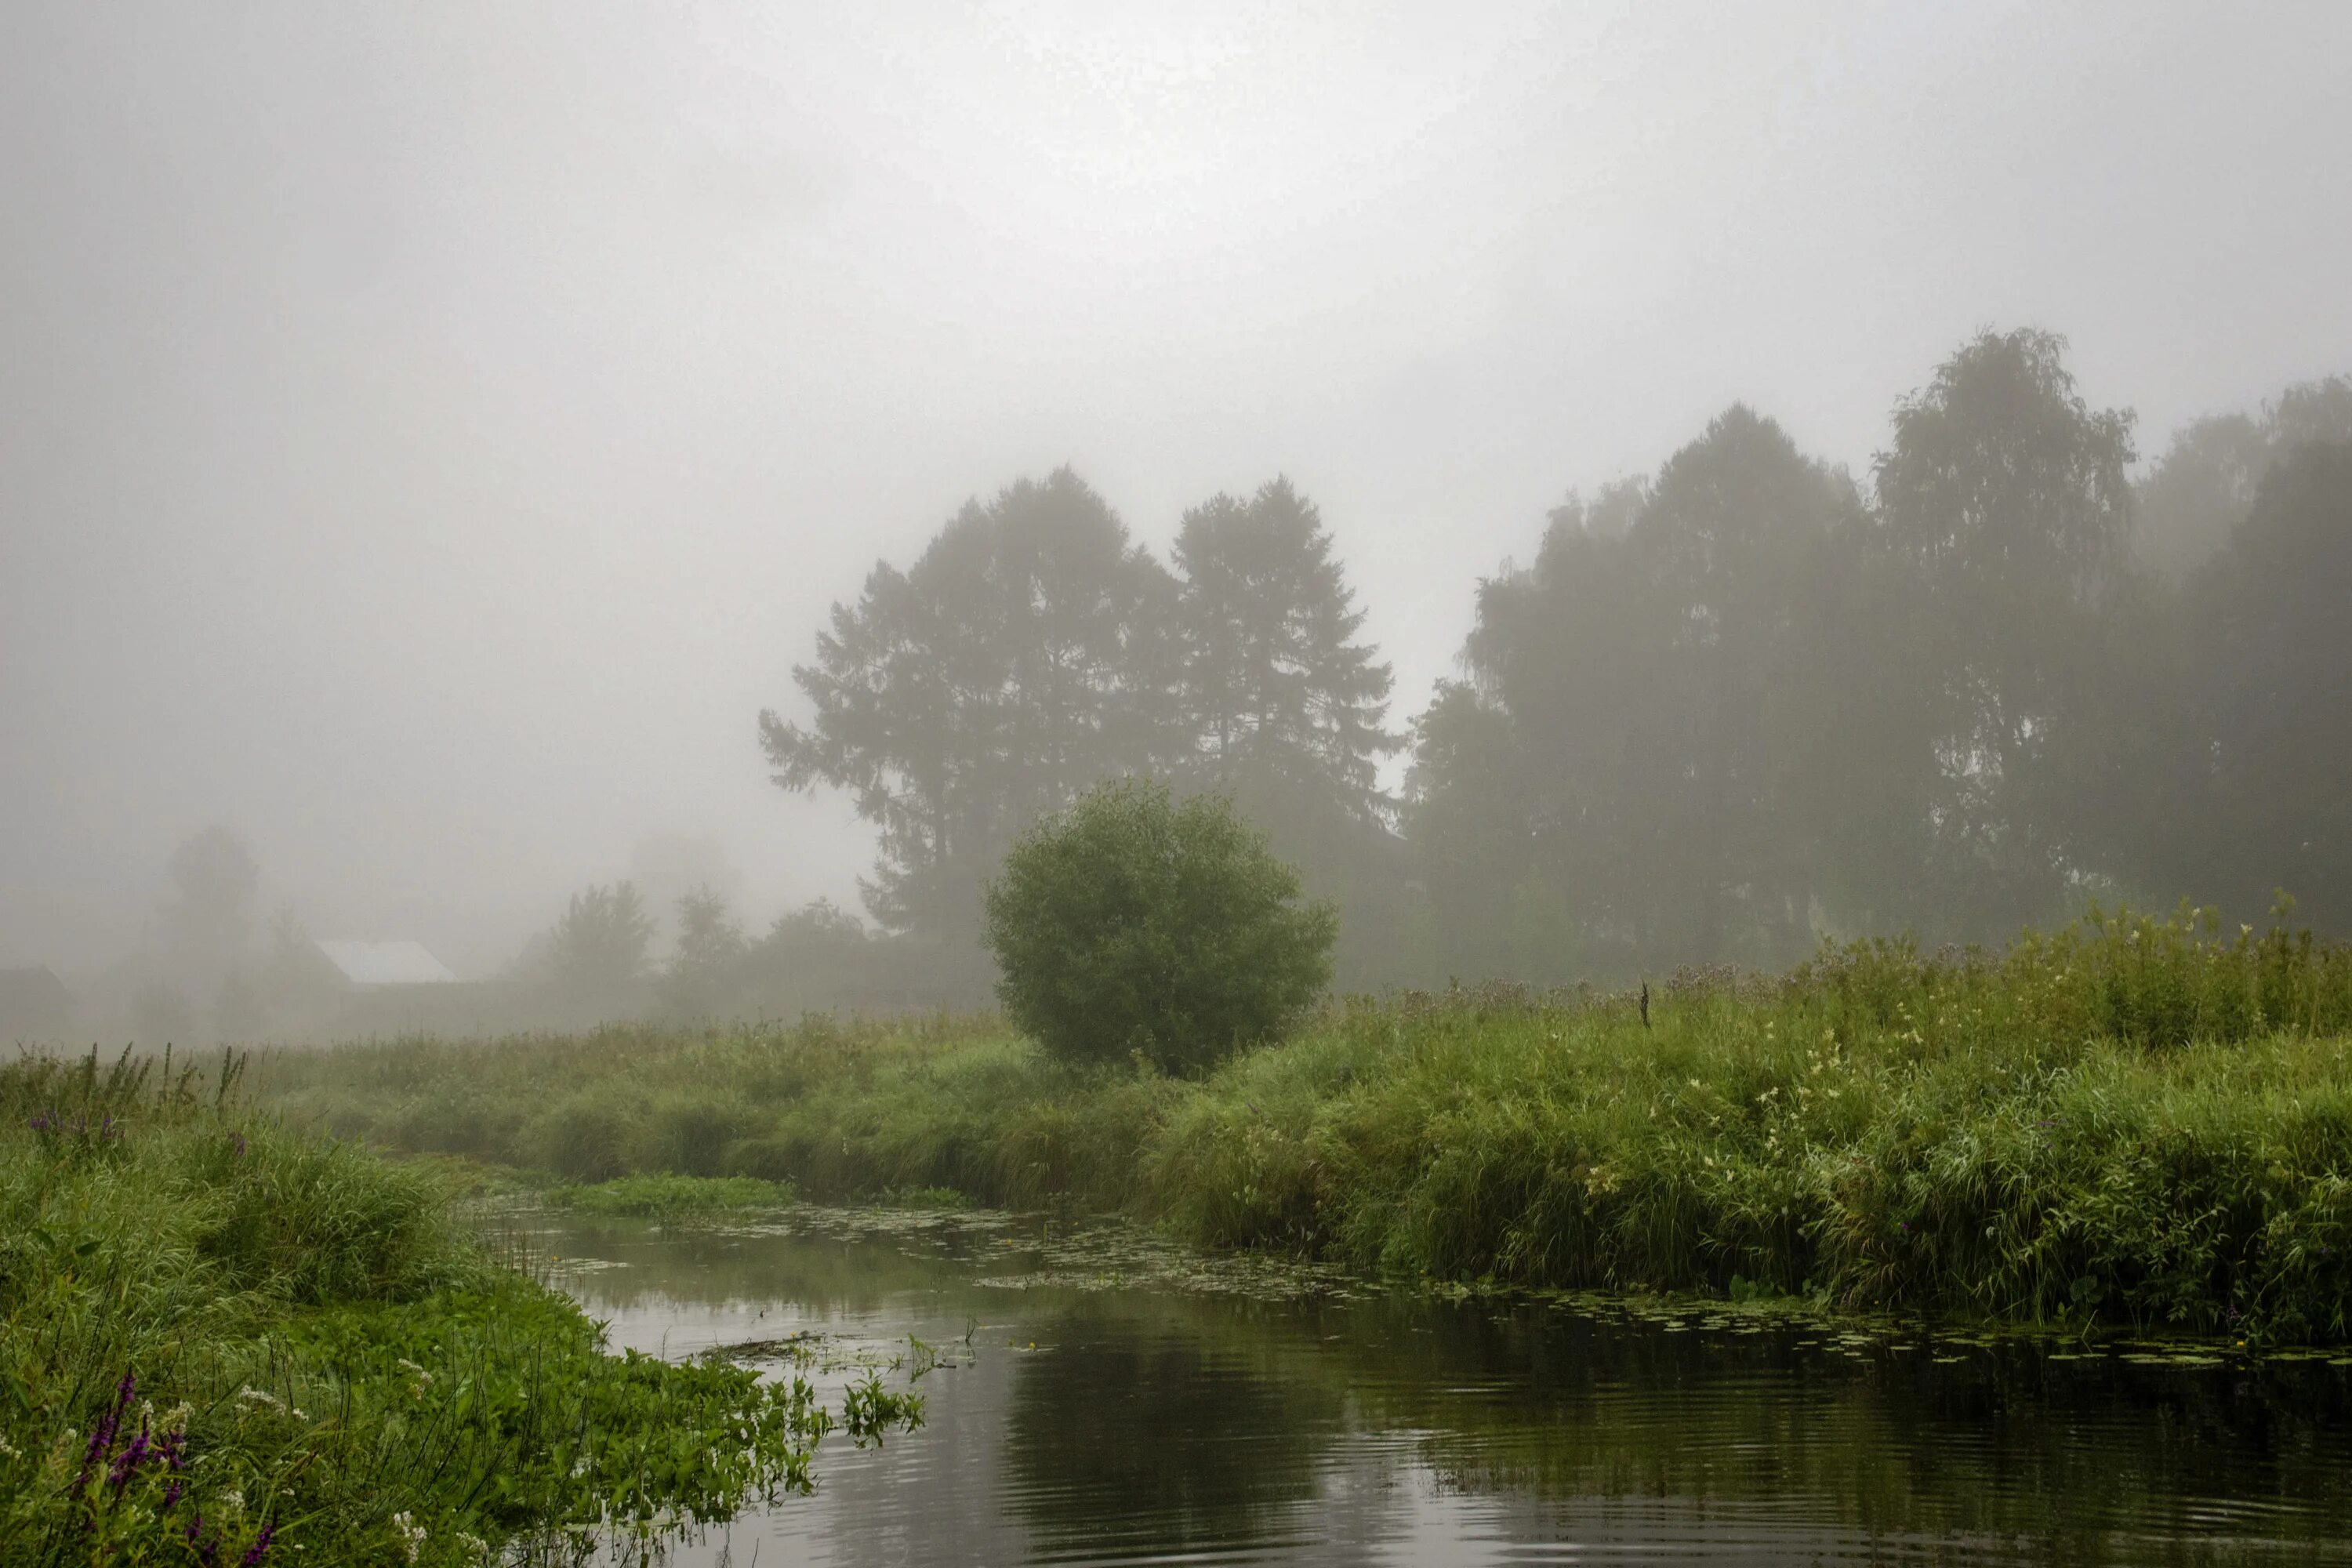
x=671, y=1198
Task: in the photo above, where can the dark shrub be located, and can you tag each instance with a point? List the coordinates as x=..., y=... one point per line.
x=1136, y=923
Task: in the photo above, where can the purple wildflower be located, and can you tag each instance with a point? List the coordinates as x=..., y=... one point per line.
x=172, y=1445
x=171, y=1494
x=128, y=1464
x=260, y=1547
x=101, y=1443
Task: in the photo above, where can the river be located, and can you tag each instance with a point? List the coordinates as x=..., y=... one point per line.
x=1102, y=1397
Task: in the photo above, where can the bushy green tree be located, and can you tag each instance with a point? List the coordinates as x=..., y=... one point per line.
x=1137, y=922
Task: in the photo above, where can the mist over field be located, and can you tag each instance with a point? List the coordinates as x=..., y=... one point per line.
x=430, y=437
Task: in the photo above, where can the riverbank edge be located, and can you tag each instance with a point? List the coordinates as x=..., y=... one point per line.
x=225, y=1338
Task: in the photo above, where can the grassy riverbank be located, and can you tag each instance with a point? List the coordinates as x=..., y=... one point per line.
x=226, y=1342
x=2133, y=1120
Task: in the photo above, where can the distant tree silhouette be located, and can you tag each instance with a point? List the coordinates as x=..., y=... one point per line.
x=2006, y=495
x=2265, y=772
x=1023, y=656
x=602, y=946
x=1281, y=701
x=2206, y=482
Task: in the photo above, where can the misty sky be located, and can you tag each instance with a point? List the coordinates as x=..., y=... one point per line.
x=430, y=433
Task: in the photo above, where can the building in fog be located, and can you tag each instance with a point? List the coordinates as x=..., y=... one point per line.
x=371, y=964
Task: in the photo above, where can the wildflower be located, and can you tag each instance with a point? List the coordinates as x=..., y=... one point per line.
x=253, y=1398
x=411, y=1535
x=260, y=1547
x=128, y=1464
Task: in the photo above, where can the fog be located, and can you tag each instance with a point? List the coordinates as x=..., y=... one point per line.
x=430, y=434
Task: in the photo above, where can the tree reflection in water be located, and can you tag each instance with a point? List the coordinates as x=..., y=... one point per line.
x=1132, y=1426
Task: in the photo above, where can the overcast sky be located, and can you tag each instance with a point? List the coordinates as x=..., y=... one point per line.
x=430, y=433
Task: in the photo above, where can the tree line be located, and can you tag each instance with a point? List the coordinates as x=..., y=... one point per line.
x=1730, y=707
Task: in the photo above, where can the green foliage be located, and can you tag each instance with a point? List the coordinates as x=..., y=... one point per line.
x=2129, y=1118
x=223, y=1341
x=1033, y=651
x=1022, y=657
x=2125, y=1120
x=1138, y=923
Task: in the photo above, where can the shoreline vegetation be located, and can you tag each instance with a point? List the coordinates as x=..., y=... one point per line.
x=228, y=1340
x=2133, y=1120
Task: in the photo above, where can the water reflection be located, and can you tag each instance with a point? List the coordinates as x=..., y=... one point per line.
x=1141, y=1432
x=1146, y=1425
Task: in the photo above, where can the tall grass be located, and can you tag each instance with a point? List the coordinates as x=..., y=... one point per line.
x=223, y=1341
x=2131, y=1119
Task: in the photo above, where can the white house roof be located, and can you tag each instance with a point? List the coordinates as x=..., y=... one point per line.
x=386, y=962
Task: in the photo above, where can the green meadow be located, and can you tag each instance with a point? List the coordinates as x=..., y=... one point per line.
x=2131, y=1121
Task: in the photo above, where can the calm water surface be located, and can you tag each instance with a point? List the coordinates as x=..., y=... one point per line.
x=1108, y=1400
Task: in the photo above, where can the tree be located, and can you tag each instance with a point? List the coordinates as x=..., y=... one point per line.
x=2006, y=495
x=2264, y=799
x=1616, y=773
x=1027, y=654
x=710, y=949
x=1279, y=695
x=1135, y=922
x=2207, y=480
x=600, y=950
x=208, y=915
x=1735, y=525
x=1281, y=704
x=1471, y=804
